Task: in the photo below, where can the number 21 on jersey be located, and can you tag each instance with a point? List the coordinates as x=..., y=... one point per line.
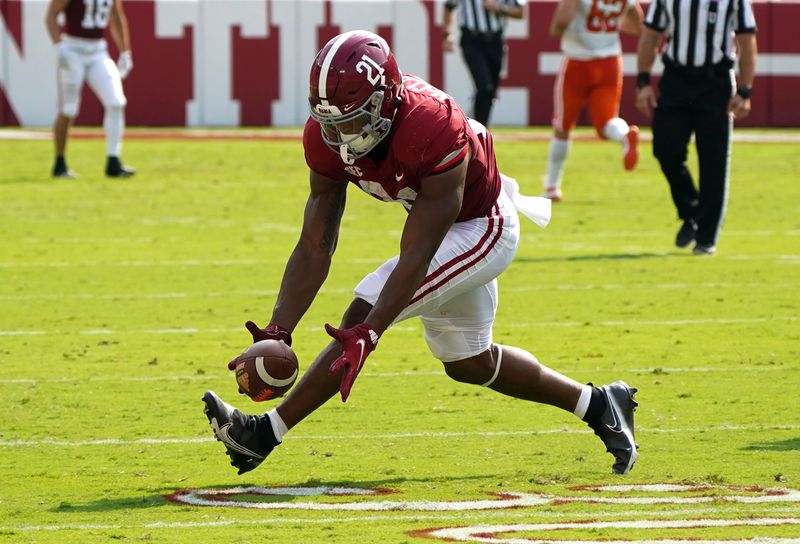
x=95, y=13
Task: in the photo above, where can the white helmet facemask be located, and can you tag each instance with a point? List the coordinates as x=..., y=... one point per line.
x=353, y=134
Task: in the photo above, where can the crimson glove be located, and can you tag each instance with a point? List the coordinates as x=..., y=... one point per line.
x=357, y=343
x=270, y=332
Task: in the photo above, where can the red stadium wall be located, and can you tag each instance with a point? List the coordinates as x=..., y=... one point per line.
x=259, y=73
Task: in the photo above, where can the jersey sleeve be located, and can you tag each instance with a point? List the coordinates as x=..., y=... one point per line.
x=319, y=156
x=745, y=21
x=437, y=140
x=656, y=17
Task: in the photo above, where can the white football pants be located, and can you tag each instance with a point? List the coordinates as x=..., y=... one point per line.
x=457, y=300
x=87, y=61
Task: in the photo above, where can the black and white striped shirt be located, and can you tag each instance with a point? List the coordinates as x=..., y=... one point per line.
x=700, y=32
x=472, y=15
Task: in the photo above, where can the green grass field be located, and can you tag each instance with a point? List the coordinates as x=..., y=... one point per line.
x=121, y=302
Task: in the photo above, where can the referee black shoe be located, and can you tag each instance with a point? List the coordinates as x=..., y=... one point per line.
x=704, y=249
x=616, y=425
x=686, y=233
x=248, y=439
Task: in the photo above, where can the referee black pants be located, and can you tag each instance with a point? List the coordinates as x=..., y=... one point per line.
x=695, y=101
x=483, y=54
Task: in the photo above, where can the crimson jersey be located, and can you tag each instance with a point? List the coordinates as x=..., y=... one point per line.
x=430, y=135
x=88, y=18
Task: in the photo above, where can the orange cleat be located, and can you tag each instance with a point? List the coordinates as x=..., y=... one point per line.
x=630, y=148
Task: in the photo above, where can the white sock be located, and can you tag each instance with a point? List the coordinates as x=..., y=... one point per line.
x=278, y=426
x=615, y=129
x=556, y=156
x=114, y=126
x=583, y=401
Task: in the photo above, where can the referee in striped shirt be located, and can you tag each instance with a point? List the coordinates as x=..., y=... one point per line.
x=483, y=24
x=698, y=93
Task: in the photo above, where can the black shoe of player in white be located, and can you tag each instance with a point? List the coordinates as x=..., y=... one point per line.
x=616, y=425
x=60, y=170
x=115, y=168
x=248, y=439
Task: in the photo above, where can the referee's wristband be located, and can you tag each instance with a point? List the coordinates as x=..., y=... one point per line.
x=744, y=91
x=642, y=79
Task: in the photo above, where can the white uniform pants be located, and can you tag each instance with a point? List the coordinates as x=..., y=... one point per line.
x=82, y=60
x=457, y=300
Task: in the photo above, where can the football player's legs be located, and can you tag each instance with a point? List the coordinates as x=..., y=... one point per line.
x=604, y=98
x=462, y=327
x=69, y=81
x=569, y=94
x=472, y=254
x=104, y=79
x=459, y=333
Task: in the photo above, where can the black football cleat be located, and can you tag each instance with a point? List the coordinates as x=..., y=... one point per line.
x=115, y=169
x=616, y=425
x=60, y=170
x=64, y=174
x=248, y=439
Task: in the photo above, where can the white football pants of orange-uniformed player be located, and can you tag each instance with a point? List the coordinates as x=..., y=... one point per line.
x=82, y=60
x=457, y=300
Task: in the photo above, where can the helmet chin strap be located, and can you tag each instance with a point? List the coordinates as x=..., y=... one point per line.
x=344, y=152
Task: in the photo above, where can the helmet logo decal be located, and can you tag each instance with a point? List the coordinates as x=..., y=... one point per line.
x=373, y=69
x=326, y=64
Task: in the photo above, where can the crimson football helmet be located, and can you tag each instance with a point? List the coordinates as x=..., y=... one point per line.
x=354, y=89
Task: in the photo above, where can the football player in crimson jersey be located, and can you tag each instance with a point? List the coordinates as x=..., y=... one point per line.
x=83, y=57
x=401, y=140
x=591, y=73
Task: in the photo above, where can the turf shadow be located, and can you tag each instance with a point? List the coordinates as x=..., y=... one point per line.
x=791, y=444
x=599, y=257
x=154, y=500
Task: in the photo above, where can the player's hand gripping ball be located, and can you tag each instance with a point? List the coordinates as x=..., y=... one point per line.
x=266, y=370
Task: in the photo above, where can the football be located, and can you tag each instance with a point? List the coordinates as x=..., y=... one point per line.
x=266, y=370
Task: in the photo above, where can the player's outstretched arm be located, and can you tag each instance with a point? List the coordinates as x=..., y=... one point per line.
x=434, y=210
x=310, y=261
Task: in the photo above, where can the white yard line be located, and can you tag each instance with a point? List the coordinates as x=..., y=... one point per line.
x=342, y=290
x=517, y=325
x=461, y=517
x=209, y=378
x=790, y=258
x=388, y=436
